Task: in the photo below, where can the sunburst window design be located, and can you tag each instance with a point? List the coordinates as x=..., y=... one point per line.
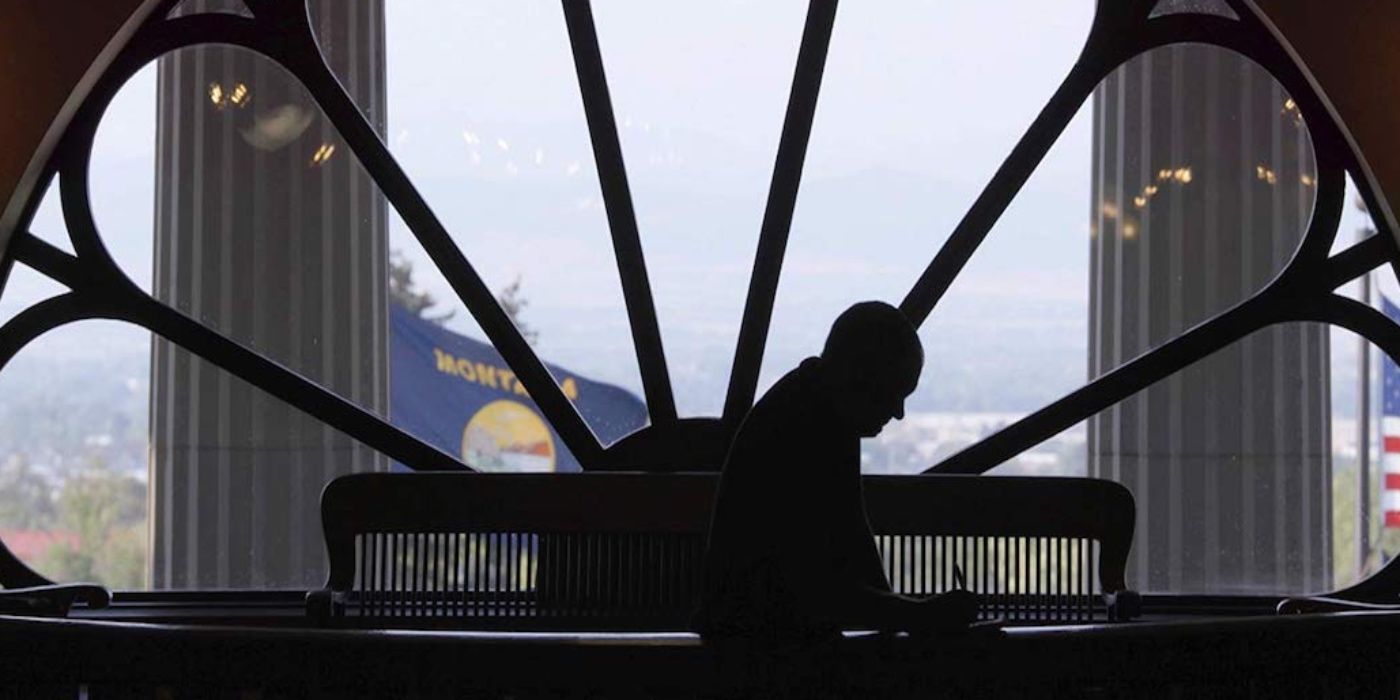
x=318, y=151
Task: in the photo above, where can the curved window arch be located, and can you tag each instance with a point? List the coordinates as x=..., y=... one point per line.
x=1120, y=31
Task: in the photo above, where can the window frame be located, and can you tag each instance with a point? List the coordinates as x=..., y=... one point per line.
x=1305, y=291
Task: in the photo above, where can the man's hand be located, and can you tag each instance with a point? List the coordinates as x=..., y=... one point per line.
x=948, y=612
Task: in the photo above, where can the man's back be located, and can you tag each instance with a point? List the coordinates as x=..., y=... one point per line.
x=789, y=539
x=791, y=554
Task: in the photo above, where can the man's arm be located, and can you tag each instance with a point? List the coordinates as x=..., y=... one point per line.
x=868, y=607
x=828, y=598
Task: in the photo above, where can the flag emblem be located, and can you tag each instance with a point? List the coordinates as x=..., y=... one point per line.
x=505, y=436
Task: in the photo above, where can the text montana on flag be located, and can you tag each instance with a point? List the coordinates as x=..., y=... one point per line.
x=459, y=395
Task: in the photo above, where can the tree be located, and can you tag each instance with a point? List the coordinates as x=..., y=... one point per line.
x=106, y=513
x=26, y=496
x=404, y=292
x=513, y=304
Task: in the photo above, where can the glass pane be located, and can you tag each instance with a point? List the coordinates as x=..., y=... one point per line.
x=1196, y=7
x=1011, y=333
x=270, y=231
x=194, y=7
x=1200, y=181
x=700, y=90
x=488, y=122
x=221, y=490
x=1231, y=462
x=1244, y=472
x=122, y=187
x=25, y=288
x=73, y=454
x=901, y=146
x=236, y=478
x=264, y=226
x=47, y=224
x=453, y=390
x=1356, y=223
x=1356, y=556
x=137, y=480
x=1241, y=469
x=1203, y=187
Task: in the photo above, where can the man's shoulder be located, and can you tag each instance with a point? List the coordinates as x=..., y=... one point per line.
x=787, y=405
x=797, y=385
x=786, y=423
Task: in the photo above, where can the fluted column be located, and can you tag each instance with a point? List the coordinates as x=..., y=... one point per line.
x=1203, y=186
x=268, y=231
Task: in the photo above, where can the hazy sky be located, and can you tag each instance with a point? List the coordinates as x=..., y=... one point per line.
x=914, y=116
x=921, y=102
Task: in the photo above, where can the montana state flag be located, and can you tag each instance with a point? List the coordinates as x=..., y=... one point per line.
x=459, y=395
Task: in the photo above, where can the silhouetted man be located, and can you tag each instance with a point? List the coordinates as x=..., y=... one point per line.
x=791, y=554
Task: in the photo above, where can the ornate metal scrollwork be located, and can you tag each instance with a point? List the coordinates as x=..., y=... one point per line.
x=281, y=31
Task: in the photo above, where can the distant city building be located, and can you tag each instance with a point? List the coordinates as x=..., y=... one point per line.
x=1203, y=183
x=268, y=230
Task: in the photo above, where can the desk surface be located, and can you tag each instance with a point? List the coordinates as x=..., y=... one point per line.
x=1346, y=647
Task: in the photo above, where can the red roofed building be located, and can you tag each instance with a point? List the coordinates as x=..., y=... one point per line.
x=30, y=545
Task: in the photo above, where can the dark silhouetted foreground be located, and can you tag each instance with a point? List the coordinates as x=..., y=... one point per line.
x=791, y=554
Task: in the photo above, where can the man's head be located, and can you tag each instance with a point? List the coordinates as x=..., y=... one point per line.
x=872, y=361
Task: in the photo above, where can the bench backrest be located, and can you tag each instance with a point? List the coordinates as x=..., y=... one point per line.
x=624, y=551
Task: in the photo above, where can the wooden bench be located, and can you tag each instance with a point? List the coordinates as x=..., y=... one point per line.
x=624, y=551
